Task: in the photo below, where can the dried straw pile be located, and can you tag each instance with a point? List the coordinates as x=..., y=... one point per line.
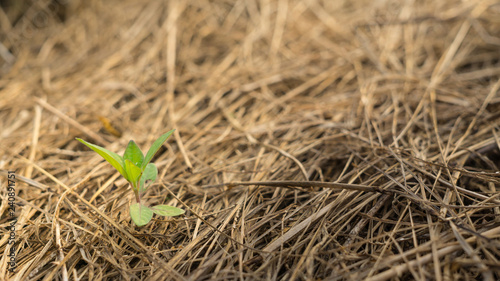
x=400, y=97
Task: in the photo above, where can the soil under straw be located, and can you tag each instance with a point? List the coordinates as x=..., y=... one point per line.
x=399, y=97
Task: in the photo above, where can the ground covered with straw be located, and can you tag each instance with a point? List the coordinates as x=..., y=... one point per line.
x=315, y=140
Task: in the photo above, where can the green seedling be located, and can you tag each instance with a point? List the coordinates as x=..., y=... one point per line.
x=137, y=170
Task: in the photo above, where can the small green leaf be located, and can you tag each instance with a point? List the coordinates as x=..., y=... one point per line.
x=150, y=173
x=133, y=153
x=114, y=159
x=165, y=210
x=133, y=173
x=154, y=148
x=140, y=214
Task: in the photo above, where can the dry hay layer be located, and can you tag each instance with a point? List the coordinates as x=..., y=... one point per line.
x=378, y=119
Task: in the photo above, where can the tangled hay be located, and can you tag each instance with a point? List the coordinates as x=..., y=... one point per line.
x=393, y=103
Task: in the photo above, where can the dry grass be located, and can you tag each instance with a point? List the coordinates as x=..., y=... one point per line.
x=398, y=97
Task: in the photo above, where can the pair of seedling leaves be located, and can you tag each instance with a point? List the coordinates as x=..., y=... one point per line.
x=137, y=170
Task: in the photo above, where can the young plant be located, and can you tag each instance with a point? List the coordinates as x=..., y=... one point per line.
x=137, y=170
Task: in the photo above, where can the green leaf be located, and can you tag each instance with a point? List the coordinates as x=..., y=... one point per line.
x=140, y=214
x=154, y=148
x=133, y=153
x=165, y=210
x=133, y=173
x=114, y=159
x=150, y=173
